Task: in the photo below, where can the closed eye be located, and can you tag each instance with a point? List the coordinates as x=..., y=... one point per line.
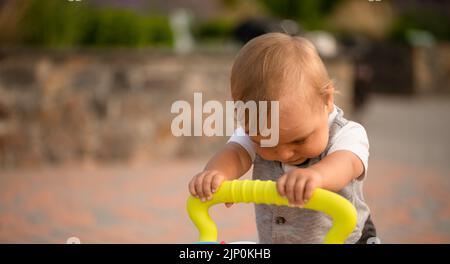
x=302, y=140
x=299, y=142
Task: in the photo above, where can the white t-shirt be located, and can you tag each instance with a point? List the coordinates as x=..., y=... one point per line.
x=351, y=137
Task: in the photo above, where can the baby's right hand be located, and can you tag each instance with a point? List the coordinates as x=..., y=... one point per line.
x=204, y=184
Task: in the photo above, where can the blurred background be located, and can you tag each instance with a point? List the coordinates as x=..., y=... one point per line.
x=86, y=88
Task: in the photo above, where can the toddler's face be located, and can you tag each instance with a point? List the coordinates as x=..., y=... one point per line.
x=303, y=133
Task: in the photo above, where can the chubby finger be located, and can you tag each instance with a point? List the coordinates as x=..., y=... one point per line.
x=281, y=182
x=215, y=184
x=191, y=187
x=290, y=189
x=193, y=184
x=206, y=184
x=309, y=190
x=299, y=191
x=198, y=185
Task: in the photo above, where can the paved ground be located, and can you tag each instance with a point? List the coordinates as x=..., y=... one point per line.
x=407, y=188
x=409, y=176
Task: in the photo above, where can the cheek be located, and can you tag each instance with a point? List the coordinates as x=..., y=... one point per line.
x=316, y=145
x=266, y=153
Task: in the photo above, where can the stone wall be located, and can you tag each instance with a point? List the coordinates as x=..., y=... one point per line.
x=414, y=70
x=432, y=69
x=109, y=106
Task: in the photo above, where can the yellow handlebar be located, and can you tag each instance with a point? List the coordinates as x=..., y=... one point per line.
x=264, y=192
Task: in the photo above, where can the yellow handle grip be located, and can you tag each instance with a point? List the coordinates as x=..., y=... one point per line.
x=264, y=192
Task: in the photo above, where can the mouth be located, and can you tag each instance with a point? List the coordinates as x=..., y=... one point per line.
x=295, y=161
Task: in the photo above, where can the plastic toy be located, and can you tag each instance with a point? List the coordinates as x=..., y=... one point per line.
x=264, y=192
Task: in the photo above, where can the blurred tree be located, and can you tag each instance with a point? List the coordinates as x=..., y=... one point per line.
x=11, y=13
x=115, y=27
x=369, y=19
x=309, y=12
x=56, y=23
x=215, y=29
x=433, y=21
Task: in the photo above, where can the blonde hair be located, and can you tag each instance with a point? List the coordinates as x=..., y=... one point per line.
x=276, y=64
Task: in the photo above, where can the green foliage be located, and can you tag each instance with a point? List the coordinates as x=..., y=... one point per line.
x=111, y=27
x=218, y=29
x=433, y=22
x=309, y=12
x=57, y=23
x=53, y=23
x=61, y=23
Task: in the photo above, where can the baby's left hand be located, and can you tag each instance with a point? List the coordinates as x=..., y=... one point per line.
x=298, y=185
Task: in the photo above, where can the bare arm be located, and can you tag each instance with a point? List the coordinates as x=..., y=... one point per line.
x=232, y=160
x=338, y=169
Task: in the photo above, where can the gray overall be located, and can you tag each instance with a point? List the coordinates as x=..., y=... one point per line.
x=282, y=224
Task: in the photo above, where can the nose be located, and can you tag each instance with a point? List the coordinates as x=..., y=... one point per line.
x=286, y=154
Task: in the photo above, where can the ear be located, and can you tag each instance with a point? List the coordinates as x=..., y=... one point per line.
x=329, y=98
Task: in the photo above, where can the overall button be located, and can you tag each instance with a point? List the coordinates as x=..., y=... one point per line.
x=280, y=220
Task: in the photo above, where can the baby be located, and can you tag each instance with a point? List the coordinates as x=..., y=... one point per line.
x=317, y=147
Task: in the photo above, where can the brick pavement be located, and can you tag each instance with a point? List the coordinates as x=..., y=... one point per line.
x=407, y=189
